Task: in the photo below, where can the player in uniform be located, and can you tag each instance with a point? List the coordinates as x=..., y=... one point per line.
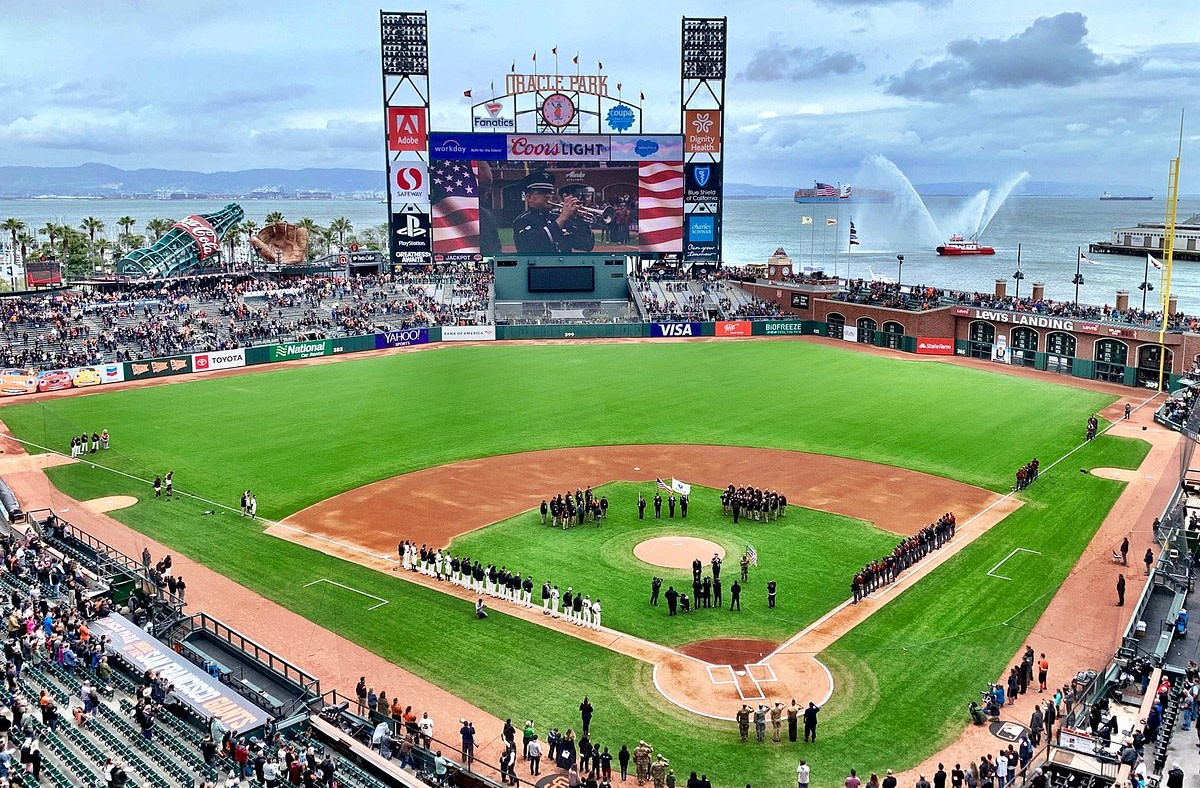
x=539, y=231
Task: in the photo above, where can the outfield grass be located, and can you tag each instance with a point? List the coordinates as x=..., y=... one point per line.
x=300, y=435
x=810, y=554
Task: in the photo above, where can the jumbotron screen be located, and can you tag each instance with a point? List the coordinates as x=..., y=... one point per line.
x=555, y=195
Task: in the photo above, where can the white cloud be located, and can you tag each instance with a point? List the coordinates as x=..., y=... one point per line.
x=1077, y=127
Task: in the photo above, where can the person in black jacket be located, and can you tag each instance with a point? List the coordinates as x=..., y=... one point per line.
x=623, y=760
x=672, y=600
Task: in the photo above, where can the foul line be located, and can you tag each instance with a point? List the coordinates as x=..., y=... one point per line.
x=992, y=571
x=382, y=601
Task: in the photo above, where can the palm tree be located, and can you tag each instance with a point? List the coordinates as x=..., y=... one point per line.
x=326, y=236
x=158, y=227
x=274, y=216
x=101, y=247
x=251, y=228
x=232, y=236
x=92, y=225
x=135, y=241
x=126, y=223
x=341, y=226
x=51, y=230
x=25, y=240
x=14, y=226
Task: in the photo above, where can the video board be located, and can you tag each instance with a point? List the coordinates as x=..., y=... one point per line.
x=507, y=193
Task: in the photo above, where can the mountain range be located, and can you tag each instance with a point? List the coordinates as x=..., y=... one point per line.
x=102, y=180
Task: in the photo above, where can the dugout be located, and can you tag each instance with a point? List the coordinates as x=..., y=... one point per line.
x=567, y=288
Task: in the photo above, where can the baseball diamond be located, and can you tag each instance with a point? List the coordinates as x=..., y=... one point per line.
x=349, y=459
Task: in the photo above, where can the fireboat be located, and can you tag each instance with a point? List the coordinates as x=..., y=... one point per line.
x=958, y=245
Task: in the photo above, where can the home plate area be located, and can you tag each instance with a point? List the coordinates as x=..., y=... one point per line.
x=748, y=682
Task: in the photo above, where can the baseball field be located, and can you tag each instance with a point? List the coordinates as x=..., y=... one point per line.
x=902, y=677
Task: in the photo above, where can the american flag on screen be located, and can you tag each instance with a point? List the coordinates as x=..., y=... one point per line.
x=660, y=206
x=454, y=194
x=825, y=190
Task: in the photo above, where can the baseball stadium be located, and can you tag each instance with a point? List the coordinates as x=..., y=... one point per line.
x=828, y=525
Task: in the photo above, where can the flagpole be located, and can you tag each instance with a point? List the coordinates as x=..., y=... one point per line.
x=1078, y=276
x=837, y=215
x=848, y=250
x=812, y=241
x=1145, y=281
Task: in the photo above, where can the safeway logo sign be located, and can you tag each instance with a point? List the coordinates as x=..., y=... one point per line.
x=406, y=129
x=410, y=182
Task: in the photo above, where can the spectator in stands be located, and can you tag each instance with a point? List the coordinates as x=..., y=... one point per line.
x=425, y=725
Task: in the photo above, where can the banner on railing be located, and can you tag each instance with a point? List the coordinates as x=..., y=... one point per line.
x=203, y=694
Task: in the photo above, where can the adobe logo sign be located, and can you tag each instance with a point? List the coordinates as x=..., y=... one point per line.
x=406, y=129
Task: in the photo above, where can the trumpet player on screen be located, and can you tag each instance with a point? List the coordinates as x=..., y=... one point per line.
x=541, y=230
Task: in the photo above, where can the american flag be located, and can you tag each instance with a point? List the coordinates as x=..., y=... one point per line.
x=454, y=194
x=826, y=190
x=660, y=206
x=752, y=554
x=853, y=235
x=662, y=485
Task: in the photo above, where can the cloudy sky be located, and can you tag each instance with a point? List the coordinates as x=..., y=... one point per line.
x=1087, y=91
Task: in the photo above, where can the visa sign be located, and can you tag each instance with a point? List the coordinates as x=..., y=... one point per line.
x=675, y=329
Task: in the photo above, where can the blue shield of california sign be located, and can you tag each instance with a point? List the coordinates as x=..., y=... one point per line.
x=702, y=174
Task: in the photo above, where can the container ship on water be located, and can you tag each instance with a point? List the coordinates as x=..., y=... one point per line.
x=842, y=194
x=1107, y=196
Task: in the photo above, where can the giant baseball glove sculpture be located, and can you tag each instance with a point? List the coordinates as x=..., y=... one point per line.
x=282, y=242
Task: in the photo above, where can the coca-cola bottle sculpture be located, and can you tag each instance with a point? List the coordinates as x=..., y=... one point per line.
x=184, y=248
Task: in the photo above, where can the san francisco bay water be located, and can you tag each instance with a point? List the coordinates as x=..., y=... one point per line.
x=1049, y=230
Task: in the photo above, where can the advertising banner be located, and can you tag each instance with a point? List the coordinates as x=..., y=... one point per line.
x=850, y=333
x=411, y=239
x=42, y=273
x=112, y=373
x=734, y=328
x=402, y=338
x=409, y=182
x=294, y=350
x=782, y=328
x=221, y=359
x=491, y=117
x=674, y=329
x=702, y=183
x=935, y=346
x=702, y=238
x=203, y=694
x=406, y=129
x=553, y=147
x=202, y=233
x=800, y=300
x=646, y=148
x=468, y=333
x=467, y=147
x=158, y=367
x=702, y=131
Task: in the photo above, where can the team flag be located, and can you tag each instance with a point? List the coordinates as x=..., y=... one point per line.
x=805, y=220
x=830, y=221
x=575, y=59
x=752, y=554
x=853, y=235
x=1084, y=259
x=1153, y=262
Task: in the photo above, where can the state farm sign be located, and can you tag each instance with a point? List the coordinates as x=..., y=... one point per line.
x=935, y=346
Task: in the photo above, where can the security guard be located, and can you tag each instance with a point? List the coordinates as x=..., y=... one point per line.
x=538, y=231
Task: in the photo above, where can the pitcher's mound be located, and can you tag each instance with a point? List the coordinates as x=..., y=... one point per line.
x=677, y=552
x=110, y=503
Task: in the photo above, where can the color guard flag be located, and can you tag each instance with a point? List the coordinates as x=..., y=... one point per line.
x=661, y=484
x=853, y=235
x=805, y=220
x=683, y=488
x=752, y=554
x=1153, y=262
x=830, y=221
x=1084, y=259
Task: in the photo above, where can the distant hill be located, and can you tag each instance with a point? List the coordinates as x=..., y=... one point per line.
x=102, y=180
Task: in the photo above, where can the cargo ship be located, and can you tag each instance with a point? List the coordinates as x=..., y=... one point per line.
x=1107, y=196
x=842, y=194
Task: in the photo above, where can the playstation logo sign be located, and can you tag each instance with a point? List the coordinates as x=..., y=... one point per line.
x=412, y=227
x=493, y=120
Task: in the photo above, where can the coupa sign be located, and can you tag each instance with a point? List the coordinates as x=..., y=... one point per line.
x=409, y=336
x=674, y=329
